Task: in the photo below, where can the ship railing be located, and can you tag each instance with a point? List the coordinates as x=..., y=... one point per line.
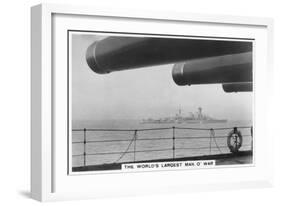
x=131, y=146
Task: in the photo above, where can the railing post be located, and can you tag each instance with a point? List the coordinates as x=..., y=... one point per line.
x=210, y=142
x=135, y=144
x=252, y=138
x=84, y=154
x=174, y=138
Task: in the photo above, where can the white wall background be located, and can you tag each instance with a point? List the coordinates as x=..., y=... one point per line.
x=15, y=101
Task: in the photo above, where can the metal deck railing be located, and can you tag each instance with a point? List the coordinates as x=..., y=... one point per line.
x=131, y=144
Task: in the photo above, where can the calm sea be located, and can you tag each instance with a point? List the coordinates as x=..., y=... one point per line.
x=98, y=142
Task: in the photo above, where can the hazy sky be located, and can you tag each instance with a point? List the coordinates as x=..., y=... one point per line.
x=145, y=92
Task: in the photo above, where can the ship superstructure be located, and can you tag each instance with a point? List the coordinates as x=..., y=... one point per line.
x=197, y=117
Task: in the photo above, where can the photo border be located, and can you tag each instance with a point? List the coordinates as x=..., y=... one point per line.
x=69, y=106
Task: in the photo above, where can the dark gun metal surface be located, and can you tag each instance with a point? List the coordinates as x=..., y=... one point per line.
x=238, y=87
x=219, y=69
x=123, y=53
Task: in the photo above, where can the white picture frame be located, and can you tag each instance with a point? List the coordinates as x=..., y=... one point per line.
x=49, y=177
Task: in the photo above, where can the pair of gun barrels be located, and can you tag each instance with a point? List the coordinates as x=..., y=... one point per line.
x=196, y=61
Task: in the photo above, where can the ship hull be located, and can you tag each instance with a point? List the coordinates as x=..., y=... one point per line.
x=200, y=118
x=185, y=121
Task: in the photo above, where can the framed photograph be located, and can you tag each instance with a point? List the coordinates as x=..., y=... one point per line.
x=138, y=102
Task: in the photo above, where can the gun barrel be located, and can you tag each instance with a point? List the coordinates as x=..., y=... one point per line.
x=238, y=87
x=122, y=53
x=220, y=69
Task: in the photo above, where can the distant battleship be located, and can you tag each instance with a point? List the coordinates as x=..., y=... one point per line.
x=198, y=117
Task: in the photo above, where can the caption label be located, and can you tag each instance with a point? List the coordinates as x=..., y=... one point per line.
x=148, y=166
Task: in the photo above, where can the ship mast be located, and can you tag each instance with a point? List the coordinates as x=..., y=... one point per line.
x=200, y=116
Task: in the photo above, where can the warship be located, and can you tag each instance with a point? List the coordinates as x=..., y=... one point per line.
x=192, y=118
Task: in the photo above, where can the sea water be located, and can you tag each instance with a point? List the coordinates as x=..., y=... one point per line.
x=100, y=149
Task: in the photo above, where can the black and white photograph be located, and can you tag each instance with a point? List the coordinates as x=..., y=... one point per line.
x=149, y=102
x=143, y=103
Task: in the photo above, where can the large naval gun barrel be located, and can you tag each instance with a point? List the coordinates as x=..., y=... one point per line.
x=238, y=87
x=122, y=53
x=220, y=69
